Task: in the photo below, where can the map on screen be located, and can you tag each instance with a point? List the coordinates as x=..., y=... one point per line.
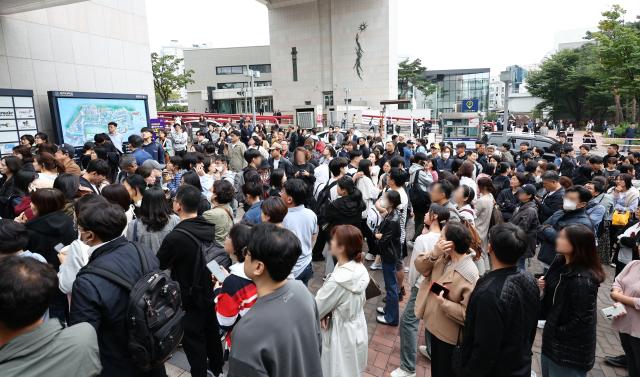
x=82, y=118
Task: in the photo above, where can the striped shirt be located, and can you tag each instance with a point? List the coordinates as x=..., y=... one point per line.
x=234, y=299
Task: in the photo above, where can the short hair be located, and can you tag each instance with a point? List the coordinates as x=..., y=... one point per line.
x=582, y=191
x=275, y=208
x=219, y=157
x=250, y=154
x=446, y=187
x=100, y=167
x=508, y=242
x=240, y=235
x=192, y=178
x=598, y=186
x=502, y=168
x=625, y=168
x=506, y=146
x=459, y=235
x=596, y=160
x=189, y=198
x=13, y=236
x=112, y=124
x=336, y=165
x=297, y=189
x=550, y=175
x=48, y=200
x=252, y=188
x=351, y=239
x=127, y=160
x=235, y=133
x=30, y=139
x=27, y=288
x=106, y=221
x=200, y=133
x=117, y=194
x=278, y=248
x=87, y=200
x=43, y=136
x=135, y=141
x=614, y=146
x=396, y=162
x=224, y=191
x=399, y=176
x=355, y=153
x=461, y=145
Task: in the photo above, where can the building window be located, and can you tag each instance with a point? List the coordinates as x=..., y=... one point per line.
x=262, y=83
x=231, y=70
x=232, y=85
x=262, y=68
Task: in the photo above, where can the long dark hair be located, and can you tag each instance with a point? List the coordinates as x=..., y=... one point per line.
x=155, y=210
x=192, y=178
x=69, y=184
x=585, y=254
x=275, y=180
x=365, y=167
x=486, y=184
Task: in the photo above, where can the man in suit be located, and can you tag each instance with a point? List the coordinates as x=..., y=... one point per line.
x=96, y=173
x=552, y=200
x=278, y=161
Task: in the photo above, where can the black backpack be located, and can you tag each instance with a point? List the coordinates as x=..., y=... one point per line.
x=324, y=197
x=154, y=313
x=420, y=199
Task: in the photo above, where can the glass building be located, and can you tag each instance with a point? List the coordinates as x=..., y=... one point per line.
x=455, y=86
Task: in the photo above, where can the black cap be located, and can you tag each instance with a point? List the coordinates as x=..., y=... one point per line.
x=528, y=189
x=67, y=149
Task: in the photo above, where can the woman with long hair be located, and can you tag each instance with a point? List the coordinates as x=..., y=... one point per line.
x=390, y=250
x=23, y=152
x=119, y=194
x=48, y=169
x=277, y=180
x=156, y=220
x=303, y=169
x=466, y=173
x=348, y=207
x=484, y=206
x=9, y=166
x=221, y=144
x=569, y=304
x=340, y=303
x=507, y=200
x=22, y=201
x=464, y=197
x=370, y=193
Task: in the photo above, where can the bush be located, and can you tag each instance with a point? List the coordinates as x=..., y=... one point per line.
x=620, y=129
x=176, y=107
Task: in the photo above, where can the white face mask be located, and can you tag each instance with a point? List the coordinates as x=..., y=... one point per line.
x=446, y=155
x=538, y=179
x=569, y=205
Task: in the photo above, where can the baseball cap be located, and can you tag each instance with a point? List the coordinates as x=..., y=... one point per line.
x=275, y=146
x=67, y=149
x=528, y=189
x=409, y=141
x=153, y=164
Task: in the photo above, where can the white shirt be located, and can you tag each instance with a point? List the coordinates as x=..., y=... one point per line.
x=424, y=244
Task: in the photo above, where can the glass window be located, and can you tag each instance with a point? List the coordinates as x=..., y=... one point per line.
x=262, y=68
x=232, y=85
x=230, y=70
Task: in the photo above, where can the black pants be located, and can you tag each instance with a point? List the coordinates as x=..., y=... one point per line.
x=418, y=223
x=201, y=341
x=318, y=247
x=441, y=353
x=631, y=347
x=368, y=234
x=619, y=267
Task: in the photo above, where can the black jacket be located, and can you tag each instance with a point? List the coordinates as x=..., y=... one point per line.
x=507, y=202
x=501, y=182
x=284, y=164
x=569, y=304
x=345, y=210
x=389, y=246
x=104, y=304
x=45, y=232
x=526, y=218
x=500, y=325
x=550, y=204
x=183, y=256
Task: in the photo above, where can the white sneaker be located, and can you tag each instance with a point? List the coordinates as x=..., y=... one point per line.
x=380, y=310
x=541, y=324
x=406, y=270
x=423, y=352
x=375, y=266
x=399, y=372
x=370, y=257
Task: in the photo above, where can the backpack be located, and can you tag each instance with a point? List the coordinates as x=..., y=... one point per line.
x=324, y=197
x=210, y=251
x=419, y=198
x=154, y=313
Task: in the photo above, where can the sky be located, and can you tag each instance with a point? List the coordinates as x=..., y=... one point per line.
x=443, y=34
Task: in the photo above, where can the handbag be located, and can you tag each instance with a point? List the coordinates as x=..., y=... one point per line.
x=620, y=218
x=373, y=289
x=456, y=356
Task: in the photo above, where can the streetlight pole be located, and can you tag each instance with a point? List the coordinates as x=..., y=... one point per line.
x=252, y=74
x=505, y=76
x=346, y=103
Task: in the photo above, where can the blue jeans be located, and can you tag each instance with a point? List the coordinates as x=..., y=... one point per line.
x=551, y=369
x=306, y=274
x=409, y=334
x=391, y=308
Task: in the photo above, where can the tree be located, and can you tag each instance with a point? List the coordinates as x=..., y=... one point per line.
x=618, y=50
x=167, y=78
x=569, y=85
x=412, y=73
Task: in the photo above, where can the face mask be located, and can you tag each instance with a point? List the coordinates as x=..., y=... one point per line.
x=538, y=179
x=569, y=205
x=446, y=155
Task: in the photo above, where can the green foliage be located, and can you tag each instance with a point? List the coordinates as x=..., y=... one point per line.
x=412, y=73
x=491, y=117
x=174, y=107
x=167, y=79
x=593, y=81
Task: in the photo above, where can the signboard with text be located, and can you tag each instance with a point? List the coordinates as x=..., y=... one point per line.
x=470, y=105
x=17, y=117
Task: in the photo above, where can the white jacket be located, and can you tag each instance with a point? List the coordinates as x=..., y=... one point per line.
x=345, y=342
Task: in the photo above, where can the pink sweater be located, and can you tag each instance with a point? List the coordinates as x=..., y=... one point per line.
x=629, y=282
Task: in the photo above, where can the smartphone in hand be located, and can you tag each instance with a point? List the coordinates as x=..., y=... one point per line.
x=217, y=271
x=436, y=288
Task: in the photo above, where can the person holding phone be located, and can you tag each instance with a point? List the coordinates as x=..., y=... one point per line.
x=450, y=277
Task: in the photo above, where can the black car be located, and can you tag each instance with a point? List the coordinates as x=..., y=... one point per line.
x=514, y=139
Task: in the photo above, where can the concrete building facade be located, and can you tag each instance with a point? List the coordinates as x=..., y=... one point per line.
x=86, y=46
x=220, y=81
x=313, y=52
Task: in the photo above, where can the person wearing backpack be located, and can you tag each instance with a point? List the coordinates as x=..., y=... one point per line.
x=182, y=252
x=419, y=183
x=101, y=302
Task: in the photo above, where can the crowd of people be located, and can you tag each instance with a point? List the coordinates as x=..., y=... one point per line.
x=112, y=257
